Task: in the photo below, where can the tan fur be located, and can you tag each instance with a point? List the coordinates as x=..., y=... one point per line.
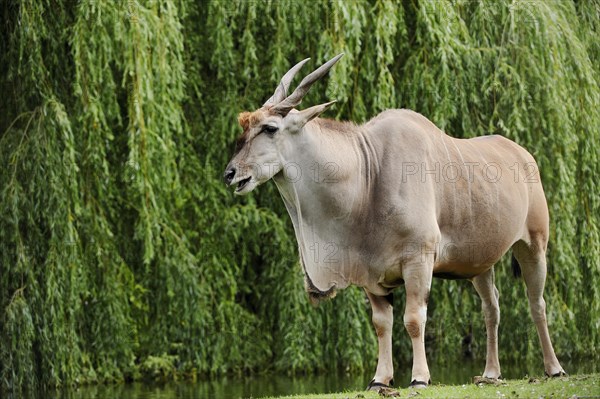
x=249, y=119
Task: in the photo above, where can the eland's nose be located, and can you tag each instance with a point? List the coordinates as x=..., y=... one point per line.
x=229, y=175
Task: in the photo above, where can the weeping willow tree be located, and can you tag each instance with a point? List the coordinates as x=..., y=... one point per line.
x=122, y=253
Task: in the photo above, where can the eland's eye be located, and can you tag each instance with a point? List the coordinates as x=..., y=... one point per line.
x=270, y=129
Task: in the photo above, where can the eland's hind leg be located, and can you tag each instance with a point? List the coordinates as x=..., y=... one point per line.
x=485, y=287
x=532, y=259
x=417, y=277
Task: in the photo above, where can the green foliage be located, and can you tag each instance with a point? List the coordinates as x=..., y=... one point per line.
x=120, y=249
x=159, y=367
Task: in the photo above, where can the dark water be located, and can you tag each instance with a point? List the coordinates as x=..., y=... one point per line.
x=460, y=372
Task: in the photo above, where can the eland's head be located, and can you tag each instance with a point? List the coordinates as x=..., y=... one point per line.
x=269, y=131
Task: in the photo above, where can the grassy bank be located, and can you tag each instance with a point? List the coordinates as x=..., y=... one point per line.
x=564, y=387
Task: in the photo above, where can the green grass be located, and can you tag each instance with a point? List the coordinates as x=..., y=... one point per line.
x=563, y=387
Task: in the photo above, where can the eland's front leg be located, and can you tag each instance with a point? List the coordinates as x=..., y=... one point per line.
x=383, y=318
x=417, y=280
x=484, y=285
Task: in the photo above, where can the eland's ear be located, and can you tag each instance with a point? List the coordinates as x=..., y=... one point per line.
x=301, y=118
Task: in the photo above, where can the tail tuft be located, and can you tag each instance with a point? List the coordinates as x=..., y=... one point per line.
x=516, y=268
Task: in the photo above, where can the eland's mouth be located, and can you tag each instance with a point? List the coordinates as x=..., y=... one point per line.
x=242, y=183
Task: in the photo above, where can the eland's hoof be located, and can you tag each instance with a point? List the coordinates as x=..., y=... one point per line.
x=419, y=384
x=375, y=386
x=487, y=380
x=561, y=373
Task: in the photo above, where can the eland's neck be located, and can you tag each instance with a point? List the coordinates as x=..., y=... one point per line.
x=329, y=170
